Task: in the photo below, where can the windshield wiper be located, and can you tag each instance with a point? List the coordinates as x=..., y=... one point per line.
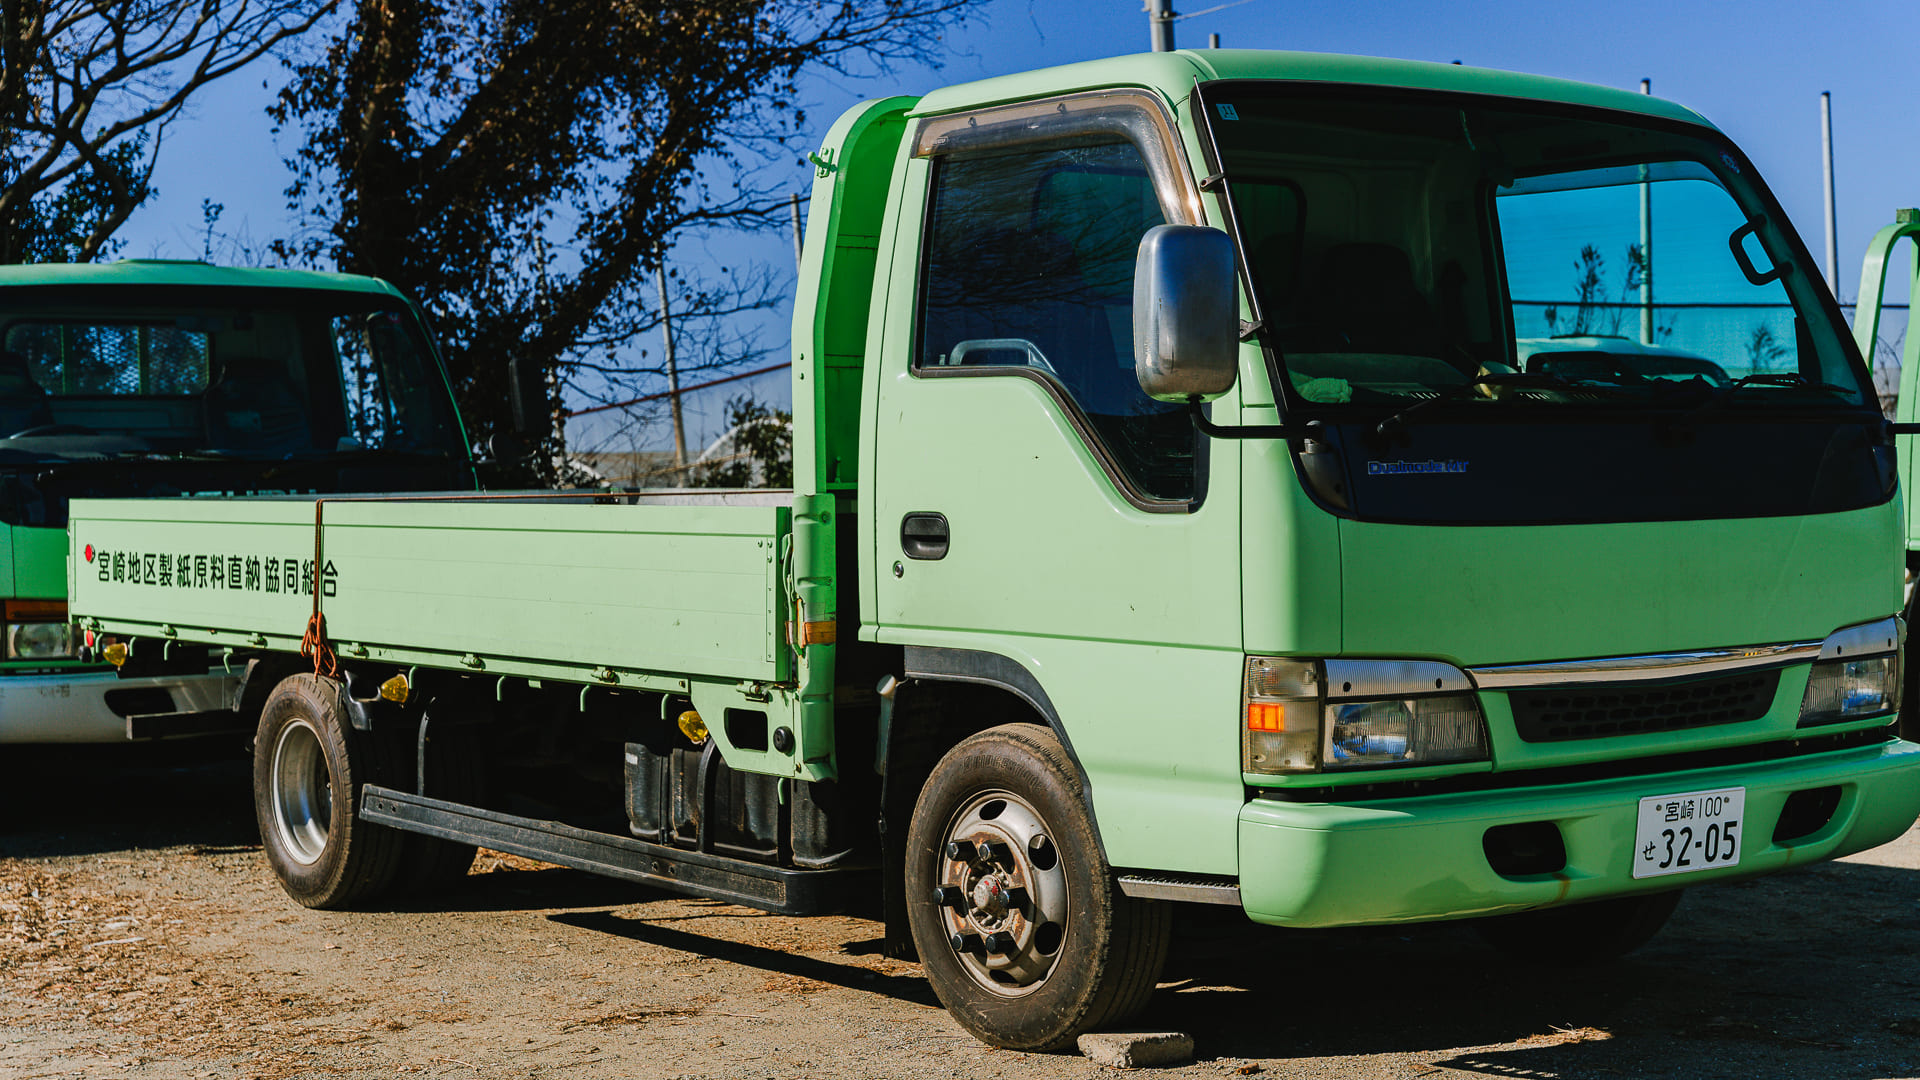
x=1725, y=394
x=1395, y=424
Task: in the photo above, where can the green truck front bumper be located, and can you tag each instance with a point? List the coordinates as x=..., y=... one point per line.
x=1422, y=858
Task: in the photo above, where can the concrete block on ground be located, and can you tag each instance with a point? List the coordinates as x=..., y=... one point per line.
x=1137, y=1049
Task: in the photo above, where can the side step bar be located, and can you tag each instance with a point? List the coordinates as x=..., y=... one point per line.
x=670, y=869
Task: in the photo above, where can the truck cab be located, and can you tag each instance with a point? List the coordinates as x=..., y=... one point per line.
x=1498, y=609
x=152, y=378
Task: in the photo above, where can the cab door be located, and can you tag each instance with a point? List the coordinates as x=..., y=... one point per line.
x=1037, y=521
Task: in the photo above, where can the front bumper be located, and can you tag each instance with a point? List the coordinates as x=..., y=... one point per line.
x=1422, y=858
x=81, y=707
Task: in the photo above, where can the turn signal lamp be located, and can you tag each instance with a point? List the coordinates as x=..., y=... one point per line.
x=395, y=689
x=1283, y=715
x=115, y=654
x=694, y=728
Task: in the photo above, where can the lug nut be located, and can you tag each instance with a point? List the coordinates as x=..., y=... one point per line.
x=964, y=943
x=998, y=944
x=962, y=850
x=948, y=896
x=995, y=851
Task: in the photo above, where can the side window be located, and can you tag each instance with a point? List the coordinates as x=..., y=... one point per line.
x=1029, y=266
x=388, y=384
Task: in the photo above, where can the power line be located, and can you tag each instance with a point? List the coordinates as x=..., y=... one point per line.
x=570, y=414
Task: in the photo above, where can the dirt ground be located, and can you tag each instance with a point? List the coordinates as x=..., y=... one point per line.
x=141, y=935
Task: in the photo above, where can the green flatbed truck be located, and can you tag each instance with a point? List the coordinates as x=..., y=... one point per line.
x=154, y=377
x=1178, y=518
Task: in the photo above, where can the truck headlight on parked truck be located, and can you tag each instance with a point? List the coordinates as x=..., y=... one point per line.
x=1314, y=715
x=37, y=630
x=1857, y=675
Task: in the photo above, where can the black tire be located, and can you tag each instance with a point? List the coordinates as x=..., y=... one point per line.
x=456, y=772
x=1580, y=935
x=308, y=766
x=1077, y=954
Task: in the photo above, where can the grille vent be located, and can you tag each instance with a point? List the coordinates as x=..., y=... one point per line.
x=1595, y=712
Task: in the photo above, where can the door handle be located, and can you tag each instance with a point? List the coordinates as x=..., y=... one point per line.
x=923, y=535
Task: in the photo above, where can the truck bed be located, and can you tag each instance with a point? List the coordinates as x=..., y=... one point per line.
x=637, y=592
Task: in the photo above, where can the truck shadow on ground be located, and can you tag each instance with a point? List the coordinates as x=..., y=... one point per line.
x=545, y=889
x=1807, y=973
x=84, y=800
x=909, y=988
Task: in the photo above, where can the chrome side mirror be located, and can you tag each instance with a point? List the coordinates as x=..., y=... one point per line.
x=1186, y=315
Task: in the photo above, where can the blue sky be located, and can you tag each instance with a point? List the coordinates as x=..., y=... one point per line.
x=1756, y=68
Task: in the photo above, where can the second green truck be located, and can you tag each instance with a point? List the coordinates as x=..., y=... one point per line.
x=1210, y=487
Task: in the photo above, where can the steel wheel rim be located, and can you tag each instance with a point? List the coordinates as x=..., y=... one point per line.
x=1003, y=908
x=302, y=793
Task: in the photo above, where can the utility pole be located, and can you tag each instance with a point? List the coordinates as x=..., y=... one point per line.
x=1646, y=245
x=1160, y=20
x=673, y=372
x=799, y=246
x=1833, y=229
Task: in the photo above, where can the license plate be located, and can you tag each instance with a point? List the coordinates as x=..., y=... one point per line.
x=1689, y=831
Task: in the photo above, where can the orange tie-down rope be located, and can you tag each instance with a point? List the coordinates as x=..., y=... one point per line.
x=314, y=645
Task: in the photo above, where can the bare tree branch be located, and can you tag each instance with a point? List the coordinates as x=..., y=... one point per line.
x=88, y=88
x=519, y=165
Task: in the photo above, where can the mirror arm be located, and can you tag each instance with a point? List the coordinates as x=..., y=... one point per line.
x=1892, y=428
x=1313, y=429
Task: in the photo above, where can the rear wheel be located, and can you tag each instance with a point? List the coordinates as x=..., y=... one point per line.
x=1019, y=926
x=1580, y=934
x=308, y=765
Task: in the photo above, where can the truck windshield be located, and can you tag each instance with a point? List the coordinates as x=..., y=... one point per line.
x=254, y=373
x=1402, y=247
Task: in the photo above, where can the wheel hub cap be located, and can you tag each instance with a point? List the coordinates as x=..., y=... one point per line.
x=302, y=795
x=1010, y=918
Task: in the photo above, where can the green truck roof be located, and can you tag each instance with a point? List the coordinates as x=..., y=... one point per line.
x=1173, y=74
x=186, y=272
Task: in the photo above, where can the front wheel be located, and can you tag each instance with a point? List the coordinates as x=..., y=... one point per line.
x=308, y=765
x=1019, y=925
x=1580, y=934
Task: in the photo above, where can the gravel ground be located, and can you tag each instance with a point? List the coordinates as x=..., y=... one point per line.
x=141, y=935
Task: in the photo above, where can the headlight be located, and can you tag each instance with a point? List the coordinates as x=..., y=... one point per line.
x=39, y=641
x=1309, y=716
x=1851, y=682
x=1424, y=731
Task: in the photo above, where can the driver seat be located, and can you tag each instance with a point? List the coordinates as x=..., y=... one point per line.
x=23, y=402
